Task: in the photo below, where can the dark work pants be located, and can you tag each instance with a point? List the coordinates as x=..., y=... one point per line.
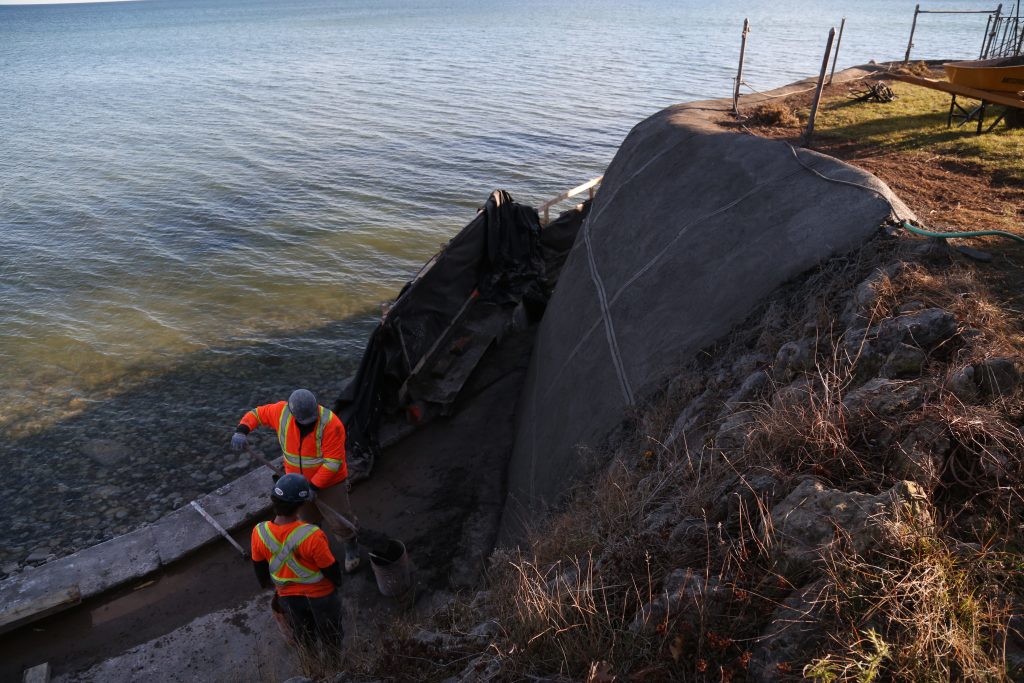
x=314, y=621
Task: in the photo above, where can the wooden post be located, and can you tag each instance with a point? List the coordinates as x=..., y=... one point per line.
x=913, y=27
x=739, y=71
x=835, y=57
x=817, y=91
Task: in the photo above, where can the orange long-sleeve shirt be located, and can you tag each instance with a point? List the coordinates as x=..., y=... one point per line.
x=300, y=450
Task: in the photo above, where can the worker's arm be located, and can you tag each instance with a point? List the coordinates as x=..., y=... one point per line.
x=260, y=559
x=334, y=469
x=322, y=556
x=332, y=574
x=262, y=569
x=261, y=416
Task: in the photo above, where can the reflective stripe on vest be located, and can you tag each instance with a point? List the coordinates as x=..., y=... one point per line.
x=293, y=459
x=283, y=555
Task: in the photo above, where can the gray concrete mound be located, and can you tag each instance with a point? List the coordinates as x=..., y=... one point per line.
x=692, y=227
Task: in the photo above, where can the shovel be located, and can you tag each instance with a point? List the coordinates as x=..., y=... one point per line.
x=376, y=541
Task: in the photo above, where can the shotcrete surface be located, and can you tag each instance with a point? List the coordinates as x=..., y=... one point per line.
x=691, y=228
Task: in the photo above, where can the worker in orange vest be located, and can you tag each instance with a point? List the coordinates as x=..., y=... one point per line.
x=295, y=558
x=312, y=440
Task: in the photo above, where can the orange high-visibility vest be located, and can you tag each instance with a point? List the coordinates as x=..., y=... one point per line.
x=319, y=456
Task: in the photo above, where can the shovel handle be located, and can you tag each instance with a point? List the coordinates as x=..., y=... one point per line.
x=322, y=506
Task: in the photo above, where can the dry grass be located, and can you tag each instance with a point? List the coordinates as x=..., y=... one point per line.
x=919, y=605
x=920, y=69
x=919, y=608
x=773, y=114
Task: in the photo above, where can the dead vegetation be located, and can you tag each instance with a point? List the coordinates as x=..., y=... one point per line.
x=681, y=560
x=773, y=114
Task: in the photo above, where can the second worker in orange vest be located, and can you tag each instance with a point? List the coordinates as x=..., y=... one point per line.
x=312, y=441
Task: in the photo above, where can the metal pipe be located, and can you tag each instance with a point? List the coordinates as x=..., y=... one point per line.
x=216, y=525
x=817, y=90
x=984, y=37
x=913, y=27
x=956, y=11
x=835, y=57
x=739, y=70
x=995, y=24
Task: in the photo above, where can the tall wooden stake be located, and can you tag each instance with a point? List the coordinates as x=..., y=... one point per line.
x=835, y=57
x=817, y=91
x=913, y=27
x=739, y=71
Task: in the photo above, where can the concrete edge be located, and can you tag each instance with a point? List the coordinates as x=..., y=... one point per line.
x=132, y=556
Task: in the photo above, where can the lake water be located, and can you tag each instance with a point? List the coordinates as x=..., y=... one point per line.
x=204, y=202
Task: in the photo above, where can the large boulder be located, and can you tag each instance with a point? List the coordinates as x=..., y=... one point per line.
x=813, y=519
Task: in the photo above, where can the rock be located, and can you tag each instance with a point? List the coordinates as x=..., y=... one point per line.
x=732, y=434
x=747, y=391
x=962, y=385
x=684, y=594
x=865, y=356
x=884, y=397
x=904, y=361
x=811, y=519
x=485, y=631
x=932, y=248
x=435, y=639
x=926, y=328
x=910, y=307
x=300, y=679
x=796, y=395
x=9, y=568
x=975, y=254
x=481, y=669
x=689, y=419
x=922, y=453
x=792, y=634
x=793, y=358
x=867, y=293
x=241, y=464
x=38, y=555
x=746, y=494
x=690, y=532
x=107, y=452
x=666, y=516
x=997, y=376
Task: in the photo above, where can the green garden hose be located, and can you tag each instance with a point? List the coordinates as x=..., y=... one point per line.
x=947, y=235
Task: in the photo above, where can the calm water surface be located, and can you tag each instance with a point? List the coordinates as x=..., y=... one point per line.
x=203, y=202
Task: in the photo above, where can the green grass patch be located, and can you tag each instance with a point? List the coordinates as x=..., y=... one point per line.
x=916, y=122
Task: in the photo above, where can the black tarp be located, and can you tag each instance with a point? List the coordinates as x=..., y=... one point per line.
x=493, y=261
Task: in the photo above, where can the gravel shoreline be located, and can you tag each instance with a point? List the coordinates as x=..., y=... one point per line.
x=129, y=460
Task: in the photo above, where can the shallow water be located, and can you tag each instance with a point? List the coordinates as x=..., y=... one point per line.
x=203, y=202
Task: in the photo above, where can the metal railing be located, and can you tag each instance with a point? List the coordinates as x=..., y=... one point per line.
x=995, y=26
x=590, y=186
x=1004, y=35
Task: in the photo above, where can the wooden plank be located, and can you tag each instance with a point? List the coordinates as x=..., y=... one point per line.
x=37, y=674
x=21, y=613
x=953, y=89
x=571, y=193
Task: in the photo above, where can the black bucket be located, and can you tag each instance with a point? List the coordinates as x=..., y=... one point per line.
x=393, y=570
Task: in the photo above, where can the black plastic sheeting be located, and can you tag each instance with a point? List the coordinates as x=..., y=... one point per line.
x=495, y=259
